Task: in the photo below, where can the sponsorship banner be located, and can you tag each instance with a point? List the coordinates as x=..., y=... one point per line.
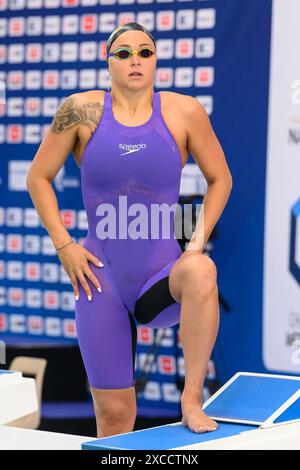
x=50, y=49
x=281, y=307
x=215, y=51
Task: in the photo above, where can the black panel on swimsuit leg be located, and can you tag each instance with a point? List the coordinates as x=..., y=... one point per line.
x=153, y=301
x=133, y=343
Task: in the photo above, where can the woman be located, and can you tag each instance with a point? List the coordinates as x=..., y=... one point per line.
x=131, y=145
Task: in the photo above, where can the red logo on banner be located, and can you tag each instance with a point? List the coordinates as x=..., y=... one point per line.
x=15, y=79
x=69, y=328
x=32, y=271
x=51, y=299
x=33, y=105
x=102, y=50
x=35, y=324
x=88, y=24
x=166, y=364
x=184, y=48
x=51, y=79
x=165, y=20
x=2, y=53
x=68, y=218
x=33, y=54
x=145, y=335
x=2, y=269
x=14, y=133
x=3, y=322
x=16, y=295
x=14, y=243
x=204, y=76
x=16, y=26
x=70, y=3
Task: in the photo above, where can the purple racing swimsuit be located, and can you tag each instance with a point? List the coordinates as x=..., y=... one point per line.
x=124, y=169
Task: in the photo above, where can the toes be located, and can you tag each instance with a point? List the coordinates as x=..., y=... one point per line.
x=200, y=429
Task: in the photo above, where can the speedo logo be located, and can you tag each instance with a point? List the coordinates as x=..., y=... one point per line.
x=130, y=148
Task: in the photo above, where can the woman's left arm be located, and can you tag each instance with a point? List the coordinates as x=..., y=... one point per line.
x=207, y=152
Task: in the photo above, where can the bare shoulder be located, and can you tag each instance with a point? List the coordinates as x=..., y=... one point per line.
x=92, y=99
x=182, y=102
x=187, y=108
x=86, y=108
x=195, y=118
x=77, y=110
x=90, y=96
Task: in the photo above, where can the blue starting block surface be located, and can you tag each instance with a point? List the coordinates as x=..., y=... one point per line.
x=251, y=398
x=169, y=436
x=290, y=413
x=245, y=403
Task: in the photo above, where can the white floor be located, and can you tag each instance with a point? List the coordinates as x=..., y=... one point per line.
x=12, y=438
x=285, y=437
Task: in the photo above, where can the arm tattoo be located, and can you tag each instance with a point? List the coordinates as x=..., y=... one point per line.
x=70, y=114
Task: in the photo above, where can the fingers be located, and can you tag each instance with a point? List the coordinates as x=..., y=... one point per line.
x=84, y=284
x=82, y=271
x=81, y=276
x=93, y=278
x=97, y=262
x=75, y=286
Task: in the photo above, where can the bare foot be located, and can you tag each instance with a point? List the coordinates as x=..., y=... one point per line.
x=194, y=417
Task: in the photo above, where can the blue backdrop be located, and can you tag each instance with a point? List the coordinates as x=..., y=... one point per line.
x=239, y=93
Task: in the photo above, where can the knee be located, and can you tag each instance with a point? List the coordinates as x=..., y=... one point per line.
x=116, y=415
x=199, y=272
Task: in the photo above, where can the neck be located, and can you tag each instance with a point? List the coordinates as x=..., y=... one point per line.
x=131, y=102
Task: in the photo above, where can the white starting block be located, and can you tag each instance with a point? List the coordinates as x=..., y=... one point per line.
x=17, y=396
x=261, y=409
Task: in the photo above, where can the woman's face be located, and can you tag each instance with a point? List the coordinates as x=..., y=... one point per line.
x=120, y=70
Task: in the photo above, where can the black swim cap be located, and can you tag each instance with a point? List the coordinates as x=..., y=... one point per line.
x=127, y=27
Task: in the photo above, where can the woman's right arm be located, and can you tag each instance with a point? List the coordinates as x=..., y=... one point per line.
x=57, y=144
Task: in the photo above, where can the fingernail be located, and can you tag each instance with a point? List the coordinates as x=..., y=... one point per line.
x=100, y=264
x=89, y=297
x=99, y=289
x=76, y=297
